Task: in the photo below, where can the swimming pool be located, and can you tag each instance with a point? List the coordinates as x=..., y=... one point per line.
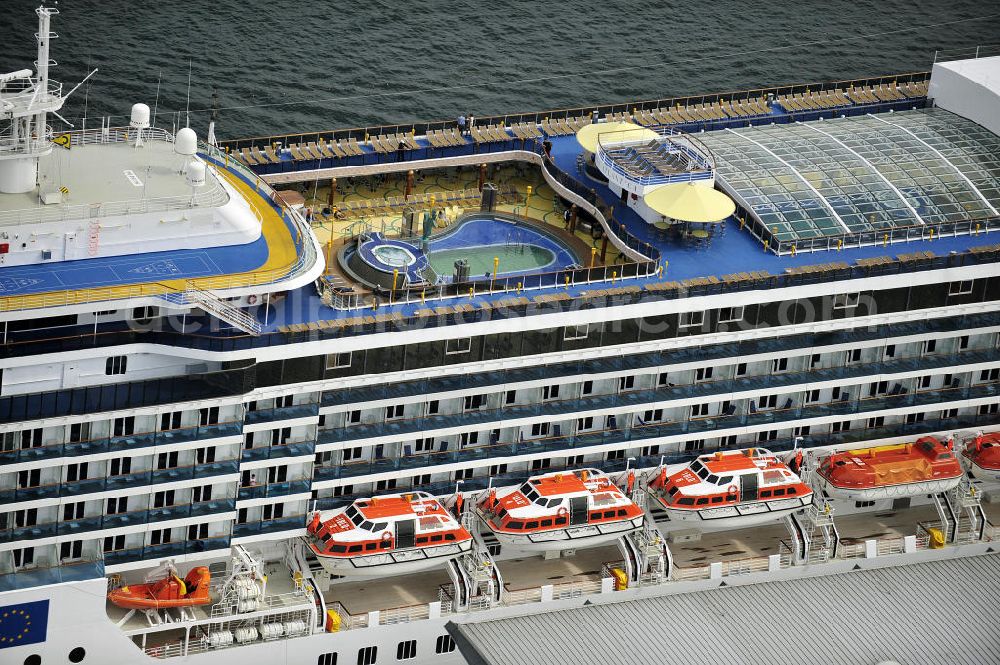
x=521, y=248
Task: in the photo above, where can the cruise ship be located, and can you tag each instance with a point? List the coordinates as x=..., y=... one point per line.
x=555, y=362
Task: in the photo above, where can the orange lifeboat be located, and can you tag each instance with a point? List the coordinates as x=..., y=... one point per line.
x=983, y=455
x=391, y=534
x=171, y=591
x=560, y=510
x=729, y=489
x=883, y=472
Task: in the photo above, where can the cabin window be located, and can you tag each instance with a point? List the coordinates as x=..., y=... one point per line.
x=685, y=501
x=960, y=288
x=765, y=494
x=368, y=655
x=560, y=521
x=371, y=547
x=354, y=548
x=444, y=644
x=327, y=658
x=338, y=549
x=609, y=514
x=116, y=365
x=406, y=650
x=702, y=501
x=384, y=544
x=690, y=319
x=546, y=523
x=457, y=346
x=449, y=536
x=779, y=491
x=672, y=491
x=420, y=540
x=437, y=538
x=531, y=525
x=515, y=524
x=717, y=499
x=622, y=512
x=864, y=504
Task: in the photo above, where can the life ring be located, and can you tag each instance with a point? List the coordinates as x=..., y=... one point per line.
x=387, y=536
x=562, y=512
x=251, y=300
x=731, y=492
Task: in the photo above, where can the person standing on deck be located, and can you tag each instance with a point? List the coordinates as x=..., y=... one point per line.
x=472, y=123
x=461, y=125
x=401, y=151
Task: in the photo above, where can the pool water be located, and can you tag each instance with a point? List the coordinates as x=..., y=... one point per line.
x=526, y=258
x=521, y=248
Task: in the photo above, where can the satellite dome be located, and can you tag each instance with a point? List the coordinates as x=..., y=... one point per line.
x=186, y=142
x=196, y=173
x=140, y=116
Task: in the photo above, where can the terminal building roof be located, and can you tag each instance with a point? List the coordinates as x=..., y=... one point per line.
x=927, y=613
x=861, y=173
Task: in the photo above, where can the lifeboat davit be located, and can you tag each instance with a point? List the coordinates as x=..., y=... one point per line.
x=729, y=490
x=886, y=472
x=556, y=511
x=171, y=591
x=983, y=456
x=388, y=535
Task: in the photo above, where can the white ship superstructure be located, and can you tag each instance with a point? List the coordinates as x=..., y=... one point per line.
x=191, y=370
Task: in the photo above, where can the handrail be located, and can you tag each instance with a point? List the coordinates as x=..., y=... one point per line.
x=421, y=127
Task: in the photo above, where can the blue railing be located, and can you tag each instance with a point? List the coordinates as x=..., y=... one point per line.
x=42, y=576
x=165, y=550
x=653, y=397
x=269, y=526
x=275, y=489
x=121, y=443
x=277, y=451
x=140, y=479
x=100, y=522
x=281, y=413
x=697, y=428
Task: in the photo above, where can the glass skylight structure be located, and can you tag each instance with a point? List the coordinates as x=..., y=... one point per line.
x=862, y=176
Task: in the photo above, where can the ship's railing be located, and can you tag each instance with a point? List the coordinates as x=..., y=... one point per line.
x=421, y=128
x=211, y=196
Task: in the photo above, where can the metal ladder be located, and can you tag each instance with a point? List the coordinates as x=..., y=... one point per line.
x=947, y=516
x=966, y=501
x=223, y=310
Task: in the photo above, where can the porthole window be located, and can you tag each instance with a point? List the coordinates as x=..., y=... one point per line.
x=33, y=659
x=77, y=655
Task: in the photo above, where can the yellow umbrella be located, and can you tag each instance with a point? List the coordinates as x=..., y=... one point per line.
x=614, y=131
x=690, y=202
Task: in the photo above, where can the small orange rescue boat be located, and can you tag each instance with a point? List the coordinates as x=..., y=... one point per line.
x=171, y=591
x=983, y=455
x=884, y=472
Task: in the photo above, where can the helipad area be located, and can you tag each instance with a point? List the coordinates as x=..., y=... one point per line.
x=921, y=170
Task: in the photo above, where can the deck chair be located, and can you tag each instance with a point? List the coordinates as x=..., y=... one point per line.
x=248, y=157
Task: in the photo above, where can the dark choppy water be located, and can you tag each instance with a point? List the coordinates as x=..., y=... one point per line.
x=253, y=52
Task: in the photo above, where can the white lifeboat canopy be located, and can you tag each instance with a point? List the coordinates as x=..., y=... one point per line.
x=186, y=142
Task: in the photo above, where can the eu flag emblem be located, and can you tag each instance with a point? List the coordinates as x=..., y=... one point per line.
x=26, y=623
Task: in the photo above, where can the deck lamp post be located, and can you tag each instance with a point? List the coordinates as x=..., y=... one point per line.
x=628, y=462
x=496, y=267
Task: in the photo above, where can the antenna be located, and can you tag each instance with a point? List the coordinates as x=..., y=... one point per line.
x=187, y=110
x=156, y=101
